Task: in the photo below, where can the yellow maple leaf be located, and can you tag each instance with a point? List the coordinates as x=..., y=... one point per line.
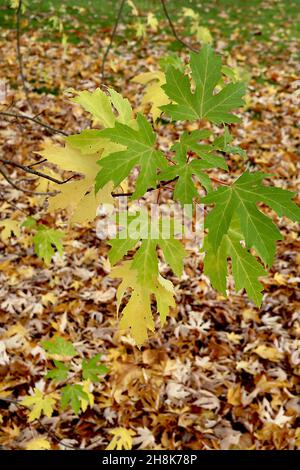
x=101, y=106
x=86, y=386
x=267, y=352
x=98, y=104
x=49, y=298
x=40, y=404
x=234, y=395
x=39, y=443
x=9, y=227
x=134, y=10
x=152, y=21
x=77, y=196
x=154, y=93
x=122, y=439
x=140, y=29
x=82, y=152
x=137, y=315
x=189, y=13
x=203, y=35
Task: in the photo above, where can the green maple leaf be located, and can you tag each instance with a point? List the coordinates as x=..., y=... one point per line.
x=29, y=222
x=246, y=269
x=59, y=373
x=241, y=199
x=185, y=190
x=190, y=141
x=206, y=69
x=91, y=369
x=222, y=143
x=140, y=152
x=60, y=347
x=44, y=241
x=145, y=261
x=72, y=394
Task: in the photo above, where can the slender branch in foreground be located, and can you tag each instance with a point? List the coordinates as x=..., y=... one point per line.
x=33, y=119
x=159, y=186
x=216, y=180
x=19, y=53
x=26, y=191
x=191, y=48
x=28, y=169
x=37, y=163
x=165, y=184
x=112, y=37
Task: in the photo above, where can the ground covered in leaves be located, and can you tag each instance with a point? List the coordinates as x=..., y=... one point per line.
x=222, y=373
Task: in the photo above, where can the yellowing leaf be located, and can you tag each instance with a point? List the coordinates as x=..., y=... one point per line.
x=49, y=298
x=234, y=395
x=189, y=13
x=134, y=9
x=137, y=315
x=39, y=443
x=44, y=184
x=234, y=338
x=98, y=104
x=69, y=159
x=9, y=227
x=86, y=386
x=87, y=207
x=267, y=352
x=78, y=196
x=40, y=404
x=122, y=439
x=203, y=35
x=154, y=93
x=152, y=21
x=140, y=29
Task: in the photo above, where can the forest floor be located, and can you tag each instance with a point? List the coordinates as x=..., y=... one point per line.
x=221, y=373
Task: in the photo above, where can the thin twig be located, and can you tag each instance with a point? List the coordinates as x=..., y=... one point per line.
x=191, y=48
x=33, y=119
x=27, y=191
x=28, y=169
x=19, y=53
x=37, y=163
x=159, y=186
x=112, y=37
x=164, y=184
x=216, y=180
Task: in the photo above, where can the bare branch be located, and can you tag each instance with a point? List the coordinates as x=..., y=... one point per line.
x=27, y=191
x=19, y=53
x=216, y=180
x=33, y=119
x=37, y=163
x=112, y=37
x=159, y=186
x=28, y=169
x=191, y=48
